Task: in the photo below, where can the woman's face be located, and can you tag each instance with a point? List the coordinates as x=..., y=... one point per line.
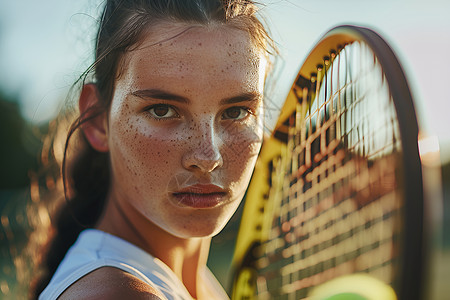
x=185, y=127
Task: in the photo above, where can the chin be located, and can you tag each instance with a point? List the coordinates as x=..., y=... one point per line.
x=202, y=229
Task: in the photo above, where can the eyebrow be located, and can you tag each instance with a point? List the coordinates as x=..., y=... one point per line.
x=244, y=97
x=159, y=94
x=163, y=95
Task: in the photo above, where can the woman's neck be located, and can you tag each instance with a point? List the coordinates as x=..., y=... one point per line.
x=185, y=257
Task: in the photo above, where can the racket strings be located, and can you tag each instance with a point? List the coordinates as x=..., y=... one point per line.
x=335, y=184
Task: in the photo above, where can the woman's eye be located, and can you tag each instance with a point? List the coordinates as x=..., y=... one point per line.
x=162, y=111
x=235, y=113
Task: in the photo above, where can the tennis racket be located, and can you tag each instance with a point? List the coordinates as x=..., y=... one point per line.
x=334, y=209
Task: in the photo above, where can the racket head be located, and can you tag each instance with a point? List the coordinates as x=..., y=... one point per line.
x=337, y=189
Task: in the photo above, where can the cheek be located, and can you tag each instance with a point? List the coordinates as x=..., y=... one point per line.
x=242, y=146
x=139, y=152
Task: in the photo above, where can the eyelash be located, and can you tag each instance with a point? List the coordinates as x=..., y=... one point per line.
x=149, y=109
x=161, y=118
x=244, y=108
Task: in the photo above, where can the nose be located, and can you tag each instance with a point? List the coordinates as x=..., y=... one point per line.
x=203, y=155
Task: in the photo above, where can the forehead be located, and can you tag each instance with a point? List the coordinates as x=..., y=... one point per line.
x=180, y=49
x=184, y=37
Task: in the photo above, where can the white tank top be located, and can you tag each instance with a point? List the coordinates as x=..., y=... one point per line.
x=95, y=249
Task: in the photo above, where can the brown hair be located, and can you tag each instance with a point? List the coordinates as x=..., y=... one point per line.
x=85, y=175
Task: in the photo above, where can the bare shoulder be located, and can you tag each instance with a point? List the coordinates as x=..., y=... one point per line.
x=110, y=283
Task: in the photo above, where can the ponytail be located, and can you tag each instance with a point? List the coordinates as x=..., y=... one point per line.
x=90, y=177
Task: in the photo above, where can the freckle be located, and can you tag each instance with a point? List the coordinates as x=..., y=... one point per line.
x=199, y=44
x=160, y=44
x=168, y=151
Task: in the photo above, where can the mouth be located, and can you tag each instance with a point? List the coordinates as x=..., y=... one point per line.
x=200, y=196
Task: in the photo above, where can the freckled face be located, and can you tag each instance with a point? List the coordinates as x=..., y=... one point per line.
x=185, y=127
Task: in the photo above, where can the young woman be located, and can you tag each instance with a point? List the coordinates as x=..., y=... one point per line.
x=169, y=132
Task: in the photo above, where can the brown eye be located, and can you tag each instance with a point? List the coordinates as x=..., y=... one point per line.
x=235, y=113
x=162, y=111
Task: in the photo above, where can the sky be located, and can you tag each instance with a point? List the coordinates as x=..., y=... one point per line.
x=45, y=46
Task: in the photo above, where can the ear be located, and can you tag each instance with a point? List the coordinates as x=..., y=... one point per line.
x=95, y=129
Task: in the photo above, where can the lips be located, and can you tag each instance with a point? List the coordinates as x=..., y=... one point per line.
x=200, y=196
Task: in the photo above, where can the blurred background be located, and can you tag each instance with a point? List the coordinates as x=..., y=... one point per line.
x=46, y=45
